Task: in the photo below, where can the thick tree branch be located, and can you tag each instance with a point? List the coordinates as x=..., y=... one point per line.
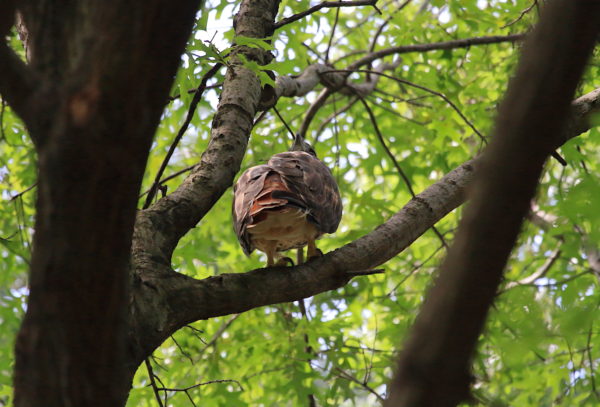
x=183, y=299
x=169, y=300
x=434, y=366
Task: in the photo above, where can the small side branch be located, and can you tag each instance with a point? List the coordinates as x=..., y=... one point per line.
x=182, y=130
x=539, y=273
x=325, y=4
x=434, y=46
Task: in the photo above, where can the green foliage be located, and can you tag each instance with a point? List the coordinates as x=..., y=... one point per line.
x=540, y=346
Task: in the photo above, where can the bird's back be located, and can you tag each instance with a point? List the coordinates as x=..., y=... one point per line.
x=293, y=194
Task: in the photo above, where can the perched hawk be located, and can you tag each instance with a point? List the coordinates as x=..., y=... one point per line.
x=287, y=203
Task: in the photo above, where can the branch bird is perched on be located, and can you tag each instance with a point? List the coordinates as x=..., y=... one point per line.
x=287, y=203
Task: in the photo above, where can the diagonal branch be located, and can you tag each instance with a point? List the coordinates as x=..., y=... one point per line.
x=183, y=299
x=434, y=366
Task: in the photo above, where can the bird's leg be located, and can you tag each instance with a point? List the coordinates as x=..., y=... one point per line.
x=271, y=251
x=312, y=251
x=300, y=255
x=284, y=261
x=274, y=259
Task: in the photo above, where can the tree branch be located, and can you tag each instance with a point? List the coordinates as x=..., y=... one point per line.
x=171, y=217
x=434, y=46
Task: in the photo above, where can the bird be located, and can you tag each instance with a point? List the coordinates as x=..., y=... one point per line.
x=287, y=203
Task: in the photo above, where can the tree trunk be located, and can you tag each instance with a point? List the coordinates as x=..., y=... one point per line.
x=102, y=72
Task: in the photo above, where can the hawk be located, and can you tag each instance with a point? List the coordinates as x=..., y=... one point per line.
x=287, y=203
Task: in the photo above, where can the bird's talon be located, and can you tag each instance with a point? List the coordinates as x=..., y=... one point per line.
x=316, y=254
x=282, y=262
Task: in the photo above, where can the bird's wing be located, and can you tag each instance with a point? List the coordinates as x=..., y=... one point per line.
x=311, y=187
x=245, y=191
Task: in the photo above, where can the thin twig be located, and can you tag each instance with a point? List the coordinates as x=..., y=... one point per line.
x=331, y=117
x=183, y=352
x=345, y=375
x=219, y=332
x=426, y=89
x=516, y=20
x=20, y=194
x=313, y=109
x=381, y=27
x=153, y=382
x=289, y=129
x=335, y=23
x=395, y=162
x=185, y=389
x=325, y=4
x=182, y=130
x=539, y=273
x=170, y=177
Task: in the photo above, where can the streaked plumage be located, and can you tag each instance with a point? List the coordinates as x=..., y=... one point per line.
x=286, y=203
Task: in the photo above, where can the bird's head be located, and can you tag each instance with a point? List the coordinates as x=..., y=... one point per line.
x=301, y=145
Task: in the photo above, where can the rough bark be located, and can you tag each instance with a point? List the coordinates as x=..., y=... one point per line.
x=91, y=62
x=434, y=366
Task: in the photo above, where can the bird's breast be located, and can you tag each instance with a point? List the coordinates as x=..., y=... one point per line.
x=288, y=226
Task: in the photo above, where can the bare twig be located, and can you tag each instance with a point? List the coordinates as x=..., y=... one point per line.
x=395, y=162
x=153, y=382
x=20, y=194
x=185, y=389
x=182, y=130
x=219, y=333
x=345, y=375
x=539, y=273
x=313, y=109
x=527, y=10
x=433, y=92
x=335, y=23
x=325, y=4
x=328, y=120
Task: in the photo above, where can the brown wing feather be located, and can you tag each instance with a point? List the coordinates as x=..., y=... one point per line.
x=245, y=192
x=293, y=178
x=311, y=186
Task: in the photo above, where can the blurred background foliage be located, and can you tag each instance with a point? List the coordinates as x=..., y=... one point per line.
x=540, y=346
